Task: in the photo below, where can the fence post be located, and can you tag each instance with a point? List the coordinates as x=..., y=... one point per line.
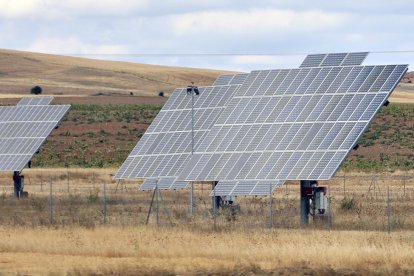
x=41, y=181
x=329, y=207
x=214, y=208
x=104, y=201
x=270, y=206
x=388, y=210
x=405, y=176
x=51, y=201
x=68, y=182
x=93, y=180
x=156, y=203
x=344, y=184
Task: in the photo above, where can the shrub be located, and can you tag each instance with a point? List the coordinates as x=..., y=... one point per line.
x=36, y=90
x=348, y=204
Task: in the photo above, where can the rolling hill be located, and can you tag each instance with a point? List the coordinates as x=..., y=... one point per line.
x=73, y=77
x=82, y=80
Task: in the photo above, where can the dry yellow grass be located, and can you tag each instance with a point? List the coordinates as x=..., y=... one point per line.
x=79, y=243
x=182, y=250
x=19, y=71
x=404, y=93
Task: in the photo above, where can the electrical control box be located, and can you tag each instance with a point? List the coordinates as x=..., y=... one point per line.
x=321, y=201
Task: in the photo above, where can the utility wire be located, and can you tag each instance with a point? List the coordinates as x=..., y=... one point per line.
x=219, y=54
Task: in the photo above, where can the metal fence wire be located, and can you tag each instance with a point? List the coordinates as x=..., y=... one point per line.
x=357, y=202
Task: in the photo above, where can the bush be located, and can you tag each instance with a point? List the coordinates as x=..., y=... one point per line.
x=348, y=204
x=36, y=90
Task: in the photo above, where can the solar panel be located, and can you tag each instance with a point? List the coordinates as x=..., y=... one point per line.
x=245, y=187
x=302, y=127
x=334, y=59
x=166, y=183
x=166, y=145
x=230, y=79
x=35, y=101
x=23, y=129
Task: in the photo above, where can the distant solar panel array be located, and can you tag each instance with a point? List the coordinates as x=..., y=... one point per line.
x=35, y=101
x=269, y=125
x=24, y=128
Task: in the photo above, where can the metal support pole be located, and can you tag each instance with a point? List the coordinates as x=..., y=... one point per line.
x=192, y=151
x=51, y=201
x=192, y=121
x=104, y=201
x=304, y=203
x=388, y=210
x=270, y=206
x=150, y=208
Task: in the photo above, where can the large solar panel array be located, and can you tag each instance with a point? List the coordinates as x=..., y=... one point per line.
x=35, y=101
x=336, y=59
x=166, y=146
x=293, y=124
x=246, y=187
x=23, y=129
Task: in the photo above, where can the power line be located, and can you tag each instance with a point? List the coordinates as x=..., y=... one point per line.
x=220, y=54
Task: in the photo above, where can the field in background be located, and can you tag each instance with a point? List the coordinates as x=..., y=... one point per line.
x=78, y=240
x=69, y=77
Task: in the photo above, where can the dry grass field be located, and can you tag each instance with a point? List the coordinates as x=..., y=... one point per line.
x=188, y=251
x=70, y=77
x=78, y=241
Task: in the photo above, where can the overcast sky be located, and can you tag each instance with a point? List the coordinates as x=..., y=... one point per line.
x=118, y=29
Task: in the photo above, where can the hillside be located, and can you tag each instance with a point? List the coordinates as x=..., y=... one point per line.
x=84, y=81
x=80, y=77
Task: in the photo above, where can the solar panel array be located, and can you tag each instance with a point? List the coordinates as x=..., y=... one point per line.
x=246, y=187
x=23, y=129
x=336, y=59
x=293, y=124
x=165, y=147
x=35, y=101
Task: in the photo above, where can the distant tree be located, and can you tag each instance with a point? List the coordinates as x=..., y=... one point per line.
x=161, y=94
x=36, y=90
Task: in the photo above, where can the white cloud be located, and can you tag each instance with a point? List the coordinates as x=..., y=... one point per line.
x=255, y=21
x=65, y=8
x=74, y=46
